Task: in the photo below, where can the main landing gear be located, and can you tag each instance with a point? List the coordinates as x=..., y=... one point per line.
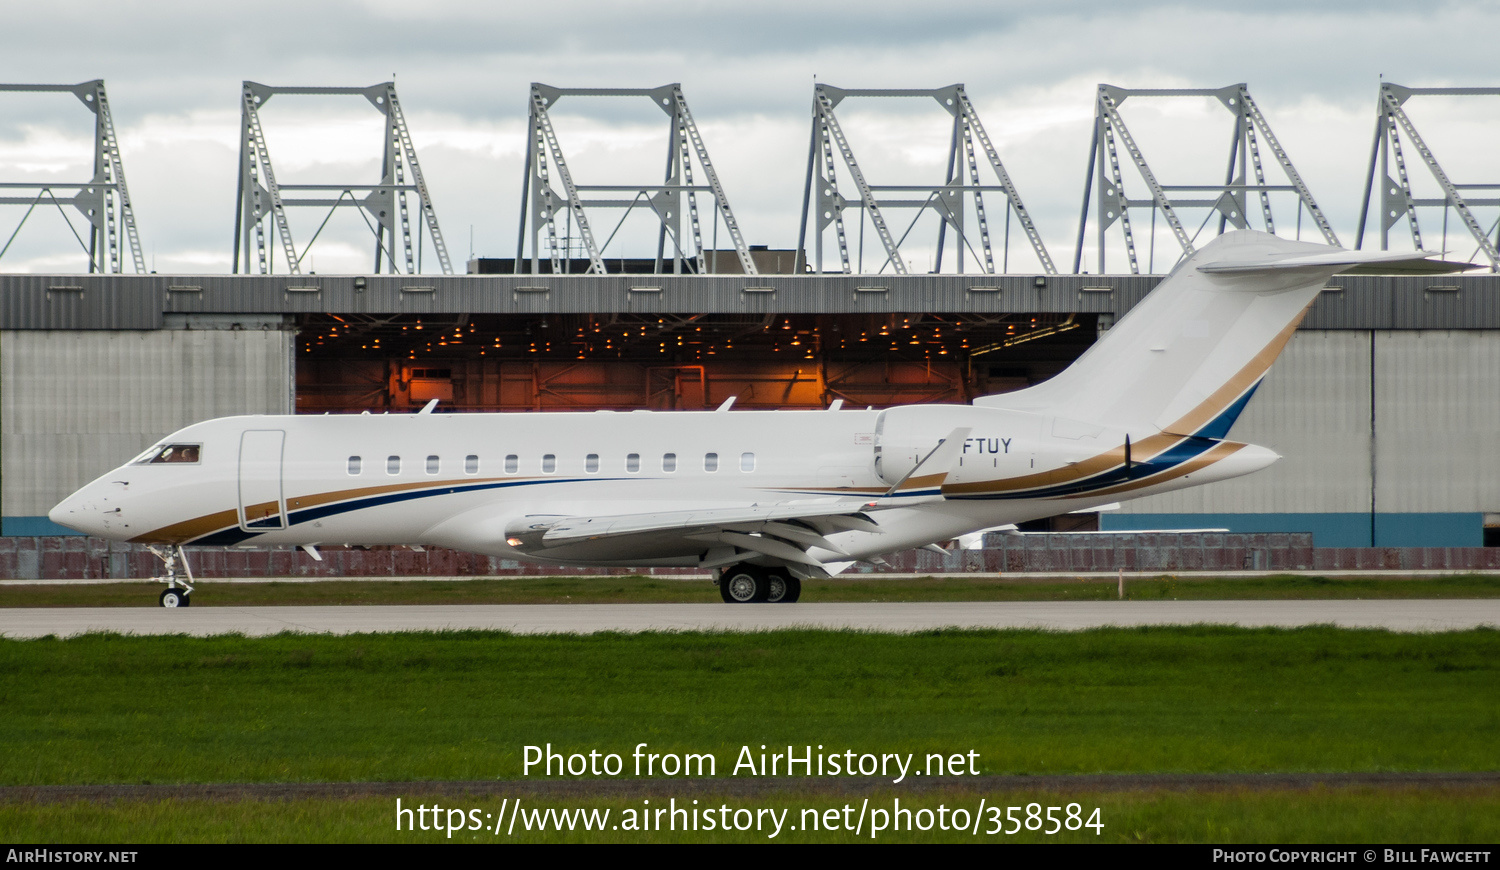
x=746, y=584
x=179, y=592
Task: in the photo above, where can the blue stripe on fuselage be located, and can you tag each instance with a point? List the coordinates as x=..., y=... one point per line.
x=1219, y=426
x=1175, y=455
x=231, y=536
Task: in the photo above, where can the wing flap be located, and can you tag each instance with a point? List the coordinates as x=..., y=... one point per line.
x=575, y=529
x=772, y=547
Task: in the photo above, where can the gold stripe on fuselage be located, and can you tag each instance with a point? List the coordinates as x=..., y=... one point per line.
x=1254, y=370
x=1236, y=386
x=1208, y=457
x=1153, y=445
x=188, y=530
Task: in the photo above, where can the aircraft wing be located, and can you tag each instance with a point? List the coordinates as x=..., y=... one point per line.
x=841, y=516
x=784, y=532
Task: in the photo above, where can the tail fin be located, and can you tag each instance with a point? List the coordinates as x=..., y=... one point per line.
x=1188, y=357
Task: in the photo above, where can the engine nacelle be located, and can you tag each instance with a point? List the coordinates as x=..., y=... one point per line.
x=1000, y=442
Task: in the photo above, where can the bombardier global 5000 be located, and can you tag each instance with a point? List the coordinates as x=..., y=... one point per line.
x=766, y=499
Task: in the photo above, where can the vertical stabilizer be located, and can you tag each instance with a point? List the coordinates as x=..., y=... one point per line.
x=1188, y=357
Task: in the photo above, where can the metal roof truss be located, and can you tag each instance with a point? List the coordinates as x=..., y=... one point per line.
x=950, y=200
x=385, y=202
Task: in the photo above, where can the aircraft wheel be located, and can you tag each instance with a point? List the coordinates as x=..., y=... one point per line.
x=776, y=585
x=174, y=598
x=742, y=585
x=782, y=588
x=793, y=591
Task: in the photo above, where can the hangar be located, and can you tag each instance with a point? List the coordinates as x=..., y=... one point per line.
x=1384, y=405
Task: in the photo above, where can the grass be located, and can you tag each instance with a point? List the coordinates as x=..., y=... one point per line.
x=1283, y=817
x=638, y=589
x=462, y=705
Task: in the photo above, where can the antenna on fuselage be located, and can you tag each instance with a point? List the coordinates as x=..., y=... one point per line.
x=427, y=408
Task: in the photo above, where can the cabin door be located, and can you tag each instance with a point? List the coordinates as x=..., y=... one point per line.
x=262, y=507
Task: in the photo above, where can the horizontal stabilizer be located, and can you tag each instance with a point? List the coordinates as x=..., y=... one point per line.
x=1354, y=262
x=1188, y=357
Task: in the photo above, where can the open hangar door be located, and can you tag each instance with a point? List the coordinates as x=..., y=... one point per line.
x=350, y=363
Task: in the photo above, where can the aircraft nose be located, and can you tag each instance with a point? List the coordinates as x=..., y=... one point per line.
x=77, y=514
x=66, y=511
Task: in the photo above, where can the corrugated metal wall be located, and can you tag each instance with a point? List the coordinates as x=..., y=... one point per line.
x=1313, y=409
x=1436, y=425
x=1437, y=421
x=77, y=403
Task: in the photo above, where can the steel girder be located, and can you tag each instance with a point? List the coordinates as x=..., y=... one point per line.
x=1228, y=201
x=823, y=205
x=1396, y=197
x=260, y=196
x=541, y=202
x=104, y=199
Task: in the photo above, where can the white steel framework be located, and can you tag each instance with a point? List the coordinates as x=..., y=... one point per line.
x=541, y=202
x=1229, y=202
x=1397, y=199
x=104, y=199
x=958, y=198
x=384, y=203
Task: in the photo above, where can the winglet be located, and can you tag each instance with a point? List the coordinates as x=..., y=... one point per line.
x=928, y=476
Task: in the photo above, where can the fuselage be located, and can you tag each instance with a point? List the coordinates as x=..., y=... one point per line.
x=467, y=481
x=1145, y=410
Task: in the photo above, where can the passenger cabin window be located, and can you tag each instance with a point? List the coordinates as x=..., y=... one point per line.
x=471, y=464
x=512, y=464
x=669, y=462
x=747, y=462
x=433, y=463
x=393, y=465
x=549, y=463
x=174, y=453
x=710, y=462
x=633, y=462
x=354, y=464
x=591, y=463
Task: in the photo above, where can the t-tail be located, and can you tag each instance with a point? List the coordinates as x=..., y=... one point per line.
x=1186, y=360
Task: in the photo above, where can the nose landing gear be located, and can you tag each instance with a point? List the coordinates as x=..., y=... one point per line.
x=178, y=592
x=748, y=584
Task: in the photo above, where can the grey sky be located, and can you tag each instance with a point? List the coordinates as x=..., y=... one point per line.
x=173, y=70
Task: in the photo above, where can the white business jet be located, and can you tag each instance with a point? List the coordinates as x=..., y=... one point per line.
x=766, y=499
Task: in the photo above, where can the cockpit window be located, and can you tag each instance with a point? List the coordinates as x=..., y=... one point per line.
x=182, y=453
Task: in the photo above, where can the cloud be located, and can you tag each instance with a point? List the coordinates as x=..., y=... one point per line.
x=174, y=69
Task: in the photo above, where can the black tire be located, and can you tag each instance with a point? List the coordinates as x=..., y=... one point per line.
x=782, y=587
x=742, y=585
x=173, y=598
x=793, y=591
